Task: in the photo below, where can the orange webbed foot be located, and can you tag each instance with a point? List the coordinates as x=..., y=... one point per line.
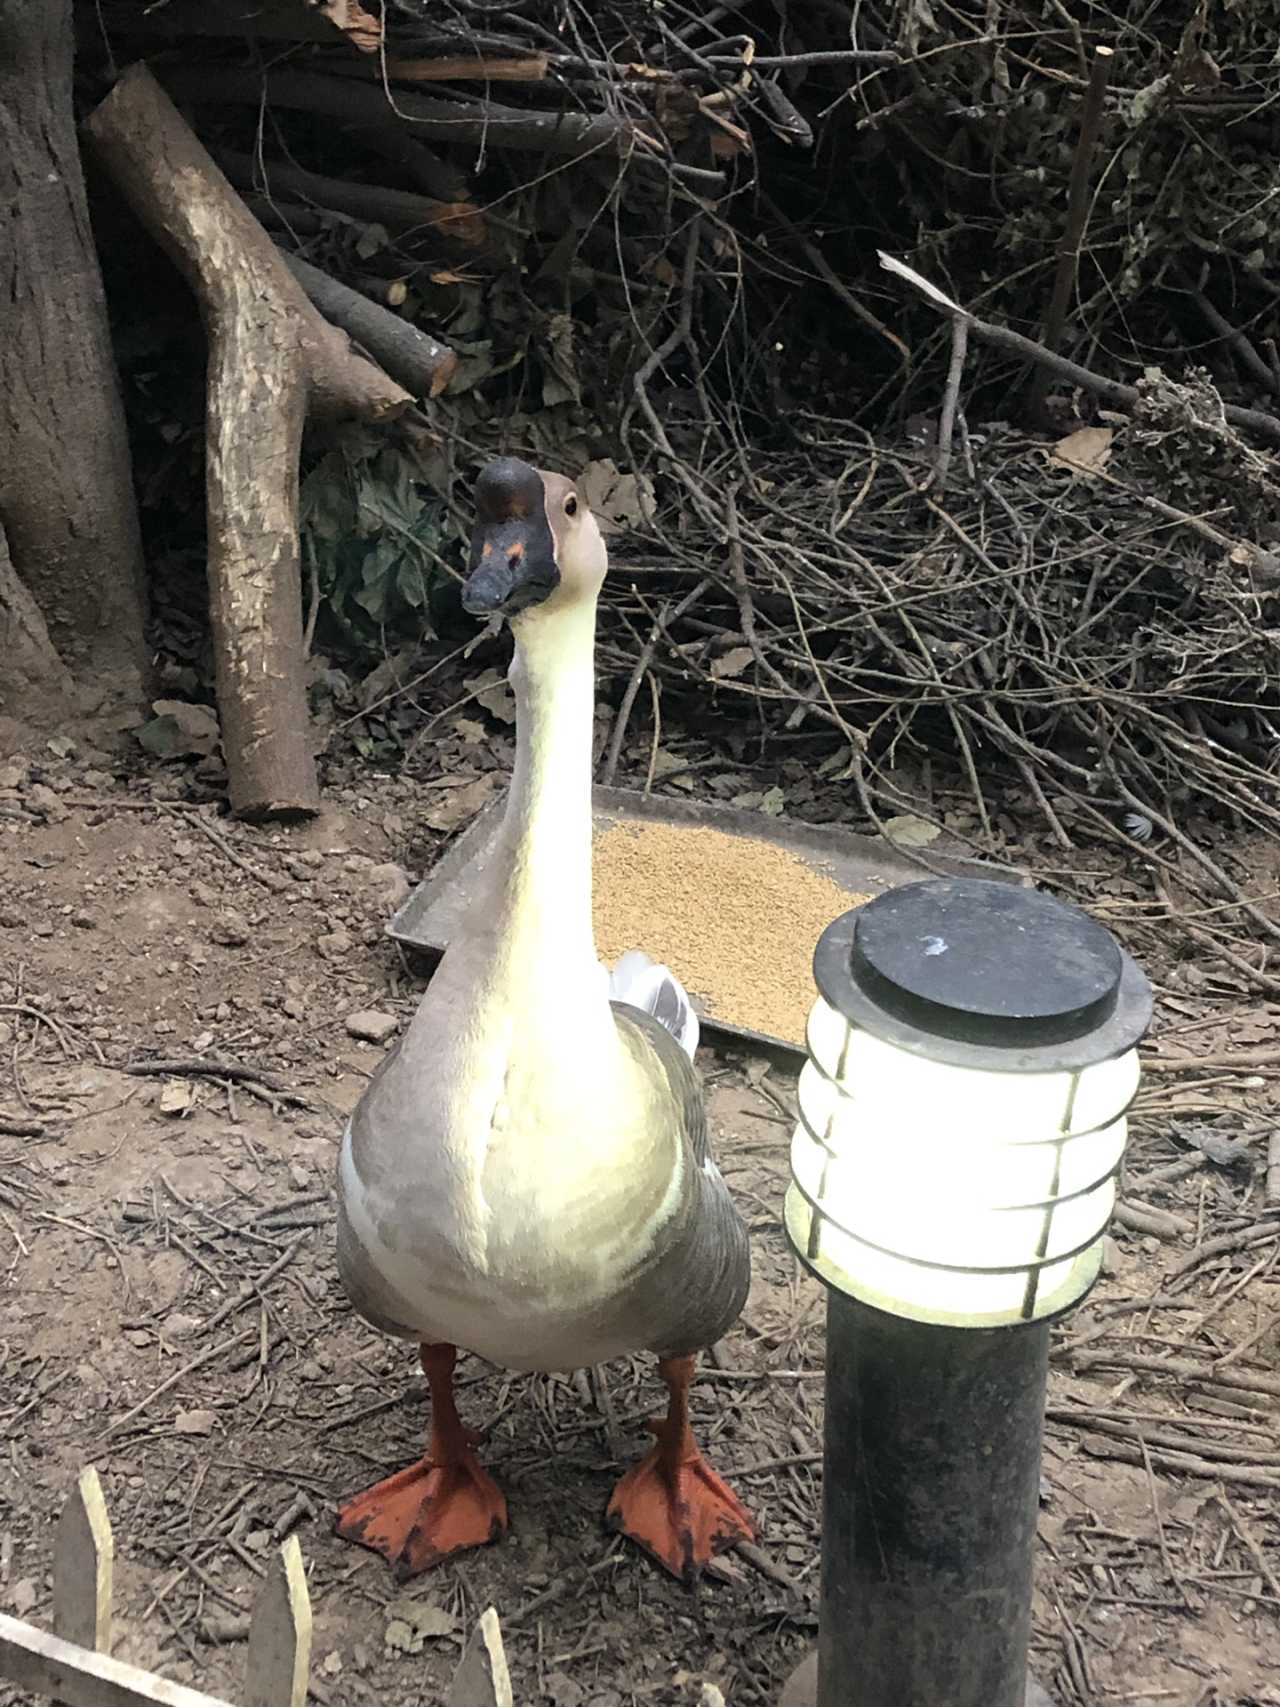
x=441, y=1505
x=421, y=1515
x=682, y=1518
x=673, y=1503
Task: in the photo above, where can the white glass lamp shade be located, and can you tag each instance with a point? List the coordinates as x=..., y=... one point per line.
x=950, y=1194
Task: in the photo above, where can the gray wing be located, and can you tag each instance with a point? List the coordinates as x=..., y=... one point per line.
x=694, y=1291
x=369, y=1294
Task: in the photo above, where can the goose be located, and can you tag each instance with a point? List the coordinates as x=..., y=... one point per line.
x=528, y=1175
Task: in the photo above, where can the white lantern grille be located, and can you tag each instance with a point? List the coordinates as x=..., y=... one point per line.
x=953, y=1195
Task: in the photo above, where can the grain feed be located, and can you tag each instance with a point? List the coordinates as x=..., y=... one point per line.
x=735, y=918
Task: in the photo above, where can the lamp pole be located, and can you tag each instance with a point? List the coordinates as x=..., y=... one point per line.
x=962, y=1124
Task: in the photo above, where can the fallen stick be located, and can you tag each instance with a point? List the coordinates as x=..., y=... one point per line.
x=251, y=1289
x=473, y=68
x=950, y=401
x=767, y=1567
x=402, y=210
x=240, y=1339
x=484, y=123
x=272, y=360
x=1077, y=215
x=10, y=1128
x=415, y=360
x=1184, y=1368
x=1262, y=564
x=1110, y=390
x=33, y=1403
x=1169, y=1440
x=257, y=1082
x=1184, y=1463
x=1142, y=1218
x=1238, y=1060
x=1260, y=1232
x=1252, y=1546
x=201, y=1065
x=1237, y=340
x=176, y=20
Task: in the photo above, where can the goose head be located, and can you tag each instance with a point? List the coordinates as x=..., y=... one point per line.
x=535, y=543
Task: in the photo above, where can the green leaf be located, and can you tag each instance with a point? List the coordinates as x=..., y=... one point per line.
x=411, y=583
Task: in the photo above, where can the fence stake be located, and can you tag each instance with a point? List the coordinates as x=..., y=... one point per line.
x=83, y=1551
x=482, y=1679
x=279, y=1658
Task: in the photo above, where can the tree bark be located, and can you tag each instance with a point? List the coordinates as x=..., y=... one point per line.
x=67, y=502
x=272, y=360
x=37, y=686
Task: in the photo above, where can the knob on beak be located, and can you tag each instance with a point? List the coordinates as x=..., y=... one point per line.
x=513, y=554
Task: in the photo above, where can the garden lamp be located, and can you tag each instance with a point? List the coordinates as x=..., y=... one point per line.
x=971, y=1059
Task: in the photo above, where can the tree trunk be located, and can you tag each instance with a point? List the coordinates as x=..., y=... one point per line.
x=35, y=684
x=67, y=503
x=272, y=361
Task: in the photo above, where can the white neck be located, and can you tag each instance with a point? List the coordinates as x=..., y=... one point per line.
x=540, y=873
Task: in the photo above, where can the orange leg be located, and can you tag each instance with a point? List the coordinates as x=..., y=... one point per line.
x=672, y=1502
x=438, y=1506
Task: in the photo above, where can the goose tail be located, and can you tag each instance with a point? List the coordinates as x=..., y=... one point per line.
x=655, y=989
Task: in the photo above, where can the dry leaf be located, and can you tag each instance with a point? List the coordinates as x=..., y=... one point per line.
x=772, y=802
x=176, y=1097
x=454, y=807
x=195, y=1422
x=910, y=832
x=410, y=1623
x=665, y=761
x=179, y=729
x=361, y=30
x=616, y=500
x=23, y=1596
x=731, y=663
x=1087, y=449
x=491, y=691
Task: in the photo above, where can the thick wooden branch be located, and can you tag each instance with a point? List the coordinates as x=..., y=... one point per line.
x=417, y=361
x=403, y=210
x=279, y=20
x=272, y=360
x=352, y=100
x=470, y=68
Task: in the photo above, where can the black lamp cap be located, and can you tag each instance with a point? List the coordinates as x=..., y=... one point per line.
x=974, y=973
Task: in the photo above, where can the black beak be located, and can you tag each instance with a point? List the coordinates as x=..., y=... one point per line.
x=513, y=559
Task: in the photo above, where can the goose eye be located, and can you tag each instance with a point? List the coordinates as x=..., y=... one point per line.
x=571, y=505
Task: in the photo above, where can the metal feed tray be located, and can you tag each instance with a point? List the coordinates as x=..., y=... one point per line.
x=855, y=866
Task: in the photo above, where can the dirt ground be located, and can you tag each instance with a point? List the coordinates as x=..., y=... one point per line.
x=169, y=1308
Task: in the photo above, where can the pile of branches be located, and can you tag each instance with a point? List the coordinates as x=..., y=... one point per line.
x=649, y=234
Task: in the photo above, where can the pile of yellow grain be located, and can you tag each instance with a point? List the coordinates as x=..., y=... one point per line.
x=735, y=919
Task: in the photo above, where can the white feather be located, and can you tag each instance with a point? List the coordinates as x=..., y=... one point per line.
x=656, y=990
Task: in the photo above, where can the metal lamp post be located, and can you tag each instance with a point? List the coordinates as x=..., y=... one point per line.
x=971, y=1059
